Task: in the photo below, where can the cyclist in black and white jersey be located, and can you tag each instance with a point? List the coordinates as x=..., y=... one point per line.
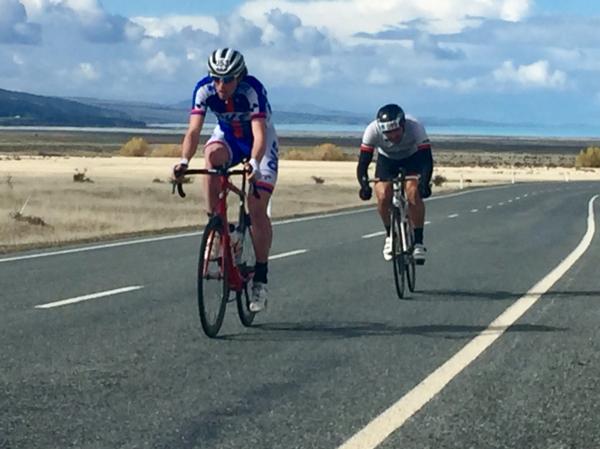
x=244, y=130
x=400, y=142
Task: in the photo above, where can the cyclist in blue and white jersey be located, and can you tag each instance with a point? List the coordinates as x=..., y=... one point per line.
x=244, y=130
x=400, y=141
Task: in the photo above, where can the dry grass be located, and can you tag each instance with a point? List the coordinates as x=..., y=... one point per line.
x=166, y=150
x=125, y=198
x=136, y=147
x=323, y=152
x=590, y=157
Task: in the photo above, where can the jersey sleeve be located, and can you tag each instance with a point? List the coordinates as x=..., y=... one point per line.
x=369, y=139
x=199, y=106
x=257, y=98
x=421, y=137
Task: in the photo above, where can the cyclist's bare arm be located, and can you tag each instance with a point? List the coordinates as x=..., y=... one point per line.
x=259, y=144
x=259, y=133
x=192, y=137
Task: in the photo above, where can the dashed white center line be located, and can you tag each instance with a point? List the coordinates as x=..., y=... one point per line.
x=489, y=206
x=500, y=204
x=452, y=215
x=427, y=222
x=375, y=234
x=526, y=195
x=510, y=201
x=394, y=417
x=65, y=302
x=288, y=254
x=518, y=198
x=474, y=210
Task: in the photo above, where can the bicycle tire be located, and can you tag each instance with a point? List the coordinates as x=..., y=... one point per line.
x=410, y=265
x=243, y=305
x=397, y=253
x=246, y=267
x=212, y=269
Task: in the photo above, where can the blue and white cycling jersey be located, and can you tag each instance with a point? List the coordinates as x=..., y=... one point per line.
x=234, y=117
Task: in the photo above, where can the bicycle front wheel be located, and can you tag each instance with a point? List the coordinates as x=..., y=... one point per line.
x=397, y=253
x=213, y=284
x=411, y=273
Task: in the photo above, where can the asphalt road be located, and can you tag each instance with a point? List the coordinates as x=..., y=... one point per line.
x=335, y=349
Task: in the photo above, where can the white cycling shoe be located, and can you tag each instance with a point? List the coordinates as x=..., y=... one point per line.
x=419, y=253
x=258, y=300
x=387, y=248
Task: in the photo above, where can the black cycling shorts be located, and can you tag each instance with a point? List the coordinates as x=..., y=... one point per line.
x=419, y=163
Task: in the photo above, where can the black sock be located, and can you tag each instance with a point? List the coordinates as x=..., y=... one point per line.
x=419, y=235
x=387, y=230
x=260, y=272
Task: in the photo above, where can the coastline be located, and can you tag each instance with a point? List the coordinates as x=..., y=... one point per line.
x=97, y=141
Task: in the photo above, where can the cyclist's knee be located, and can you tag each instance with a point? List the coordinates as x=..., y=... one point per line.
x=383, y=191
x=216, y=155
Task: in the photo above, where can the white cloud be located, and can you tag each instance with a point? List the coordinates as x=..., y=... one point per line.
x=344, y=18
x=537, y=74
x=169, y=25
x=161, y=64
x=18, y=59
x=379, y=77
x=467, y=85
x=437, y=83
x=14, y=24
x=514, y=10
x=87, y=71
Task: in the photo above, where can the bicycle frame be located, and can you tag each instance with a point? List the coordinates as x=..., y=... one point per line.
x=400, y=202
x=236, y=278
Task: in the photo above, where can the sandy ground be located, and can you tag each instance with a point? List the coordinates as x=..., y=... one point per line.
x=126, y=197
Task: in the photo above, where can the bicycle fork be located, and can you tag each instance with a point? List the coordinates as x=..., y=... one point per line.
x=402, y=205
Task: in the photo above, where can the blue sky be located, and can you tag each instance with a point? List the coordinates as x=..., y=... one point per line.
x=535, y=61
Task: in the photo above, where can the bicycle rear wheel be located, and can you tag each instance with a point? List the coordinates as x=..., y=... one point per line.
x=213, y=283
x=397, y=254
x=246, y=264
x=411, y=273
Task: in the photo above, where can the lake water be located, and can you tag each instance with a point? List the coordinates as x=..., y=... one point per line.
x=313, y=129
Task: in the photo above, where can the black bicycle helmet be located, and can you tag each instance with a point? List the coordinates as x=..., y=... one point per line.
x=390, y=117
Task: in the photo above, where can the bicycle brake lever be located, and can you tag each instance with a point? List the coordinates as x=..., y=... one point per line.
x=179, y=189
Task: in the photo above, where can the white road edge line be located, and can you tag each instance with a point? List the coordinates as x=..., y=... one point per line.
x=288, y=254
x=375, y=234
x=194, y=234
x=65, y=302
x=375, y=432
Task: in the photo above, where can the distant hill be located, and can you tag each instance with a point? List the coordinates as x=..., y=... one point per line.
x=150, y=113
x=19, y=108
x=23, y=109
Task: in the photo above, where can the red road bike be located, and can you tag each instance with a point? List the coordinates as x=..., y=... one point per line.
x=226, y=261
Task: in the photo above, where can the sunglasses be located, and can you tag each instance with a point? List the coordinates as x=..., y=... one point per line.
x=223, y=79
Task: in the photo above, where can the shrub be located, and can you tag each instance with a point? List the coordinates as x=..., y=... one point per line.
x=166, y=150
x=80, y=176
x=323, y=152
x=136, y=147
x=590, y=157
x=438, y=180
